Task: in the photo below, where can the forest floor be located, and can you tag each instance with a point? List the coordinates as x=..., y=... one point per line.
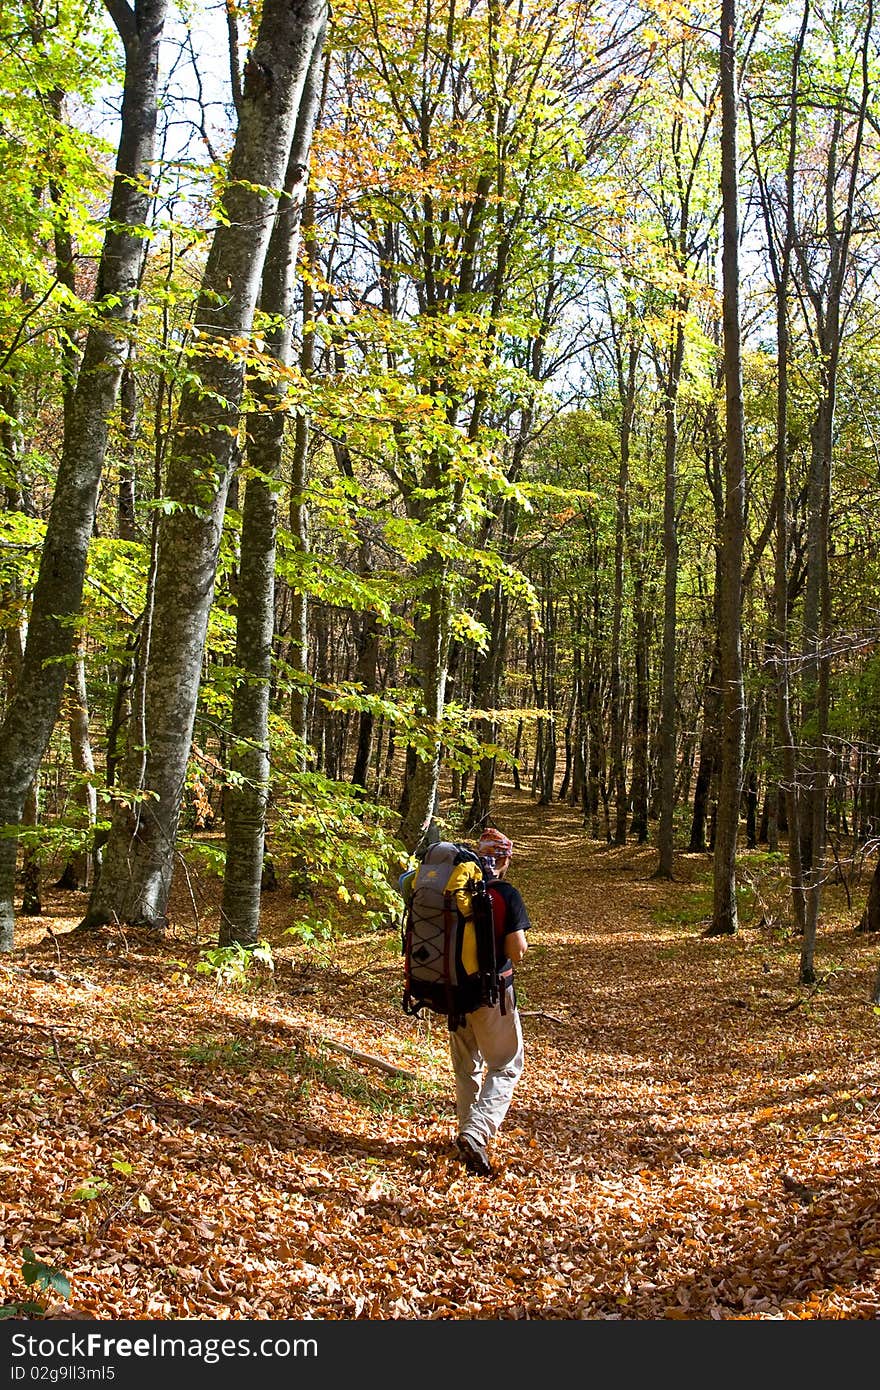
x=695, y=1136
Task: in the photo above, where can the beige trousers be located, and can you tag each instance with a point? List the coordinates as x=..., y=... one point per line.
x=487, y=1056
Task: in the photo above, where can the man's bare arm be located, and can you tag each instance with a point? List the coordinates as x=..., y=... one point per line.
x=515, y=945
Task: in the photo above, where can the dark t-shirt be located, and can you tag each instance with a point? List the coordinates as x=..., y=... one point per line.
x=508, y=912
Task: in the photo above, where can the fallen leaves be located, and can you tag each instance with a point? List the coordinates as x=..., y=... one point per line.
x=666, y=1156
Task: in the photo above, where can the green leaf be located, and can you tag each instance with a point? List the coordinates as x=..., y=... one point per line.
x=89, y=1191
x=16, y=1310
x=59, y=1282
x=36, y=1271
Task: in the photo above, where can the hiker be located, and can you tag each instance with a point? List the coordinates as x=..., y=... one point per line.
x=487, y=1049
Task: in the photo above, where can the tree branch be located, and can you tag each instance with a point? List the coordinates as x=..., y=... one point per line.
x=123, y=17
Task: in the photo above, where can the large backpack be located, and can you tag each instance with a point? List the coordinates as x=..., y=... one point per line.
x=450, y=963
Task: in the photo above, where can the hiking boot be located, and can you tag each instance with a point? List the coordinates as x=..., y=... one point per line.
x=473, y=1155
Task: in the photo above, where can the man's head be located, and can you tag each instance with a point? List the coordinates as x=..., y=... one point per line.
x=496, y=851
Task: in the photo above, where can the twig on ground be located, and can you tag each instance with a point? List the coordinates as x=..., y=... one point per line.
x=120, y=931
x=539, y=1013
x=136, y=1105
x=54, y=938
x=367, y=1057
x=62, y=1064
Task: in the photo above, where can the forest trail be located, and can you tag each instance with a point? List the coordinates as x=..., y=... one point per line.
x=694, y=1135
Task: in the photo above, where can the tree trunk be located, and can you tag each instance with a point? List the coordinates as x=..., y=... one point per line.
x=299, y=516
x=517, y=750
x=708, y=755
x=139, y=859
x=641, y=715
x=125, y=502
x=771, y=820
x=568, y=753
x=431, y=657
x=627, y=390
x=544, y=690
x=870, y=918
x=666, y=839
x=365, y=675
x=751, y=796
x=366, y=671
x=818, y=669
x=31, y=899
x=248, y=794
x=597, y=784
x=80, y=870
x=30, y=718
x=488, y=674
x=824, y=281
x=788, y=796
x=729, y=608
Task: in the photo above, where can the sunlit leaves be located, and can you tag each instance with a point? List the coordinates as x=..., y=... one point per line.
x=51, y=172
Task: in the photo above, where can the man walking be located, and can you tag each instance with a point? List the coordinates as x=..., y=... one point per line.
x=487, y=1049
